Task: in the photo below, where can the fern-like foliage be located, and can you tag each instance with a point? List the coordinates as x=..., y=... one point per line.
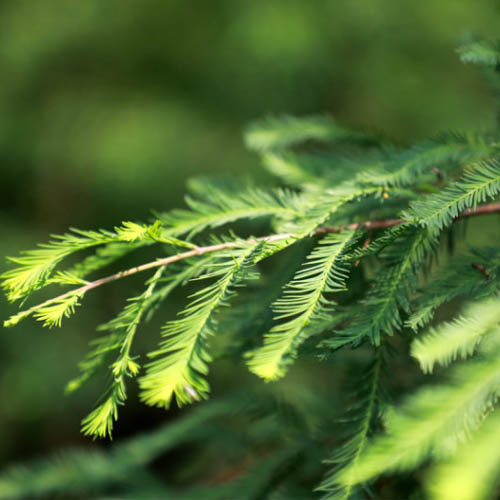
x=445, y=152
x=471, y=474
x=309, y=171
x=100, y=421
x=459, y=338
x=393, y=286
x=361, y=422
x=434, y=421
x=482, y=52
x=121, y=330
x=473, y=274
x=183, y=355
x=348, y=259
x=480, y=183
x=302, y=304
x=218, y=207
x=35, y=266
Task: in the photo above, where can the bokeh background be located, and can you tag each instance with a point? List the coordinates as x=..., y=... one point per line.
x=107, y=107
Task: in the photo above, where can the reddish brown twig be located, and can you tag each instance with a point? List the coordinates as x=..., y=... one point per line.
x=482, y=270
x=489, y=208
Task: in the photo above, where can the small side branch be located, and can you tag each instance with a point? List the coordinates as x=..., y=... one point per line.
x=80, y=291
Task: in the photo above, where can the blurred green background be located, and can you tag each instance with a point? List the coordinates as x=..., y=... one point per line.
x=108, y=106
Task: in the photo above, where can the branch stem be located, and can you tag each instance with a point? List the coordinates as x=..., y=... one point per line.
x=151, y=265
x=489, y=208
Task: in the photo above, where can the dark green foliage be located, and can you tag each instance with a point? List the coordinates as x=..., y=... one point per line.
x=362, y=222
x=361, y=421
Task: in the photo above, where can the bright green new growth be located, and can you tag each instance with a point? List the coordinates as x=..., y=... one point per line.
x=460, y=477
x=358, y=225
x=303, y=303
x=459, y=338
x=100, y=421
x=183, y=355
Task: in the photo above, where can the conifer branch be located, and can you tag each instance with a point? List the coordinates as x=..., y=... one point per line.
x=485, y=209
x=349, y=196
